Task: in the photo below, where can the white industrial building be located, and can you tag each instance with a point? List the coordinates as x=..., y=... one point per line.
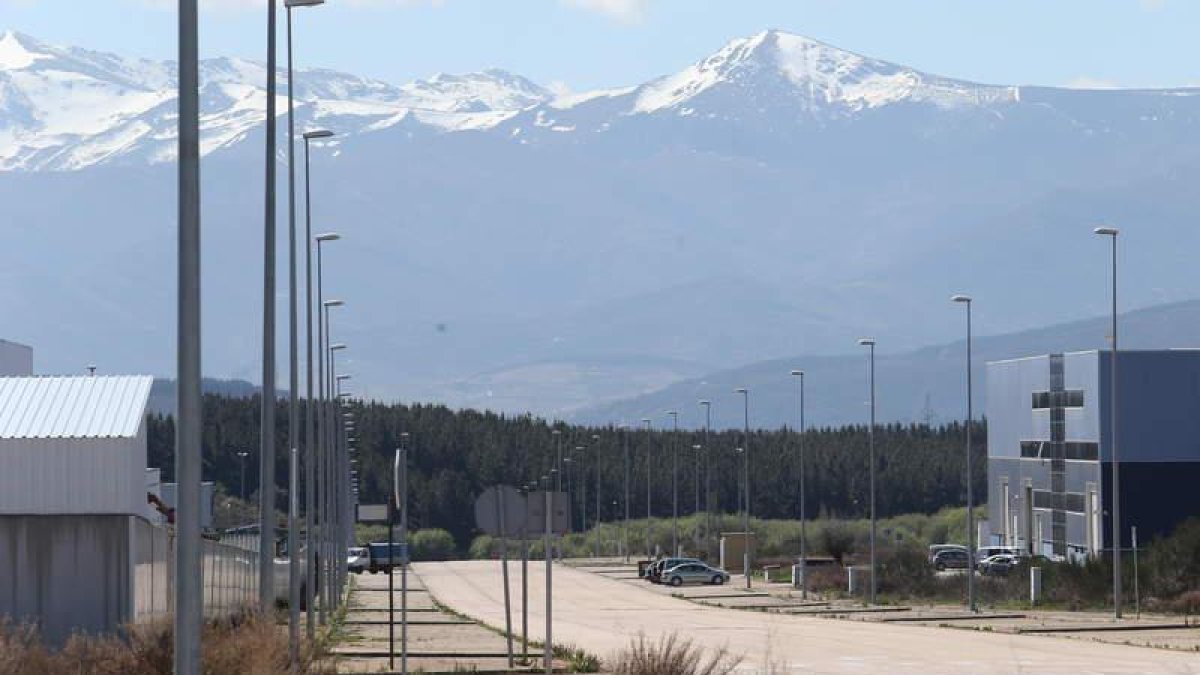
x=72, y=500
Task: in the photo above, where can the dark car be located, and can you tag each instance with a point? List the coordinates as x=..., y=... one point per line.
x=951, y=559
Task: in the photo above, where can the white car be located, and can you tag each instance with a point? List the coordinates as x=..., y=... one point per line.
x=358, y=560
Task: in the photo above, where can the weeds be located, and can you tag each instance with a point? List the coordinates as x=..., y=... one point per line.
x=244, y=644
x=672, y=655
x=578, y=660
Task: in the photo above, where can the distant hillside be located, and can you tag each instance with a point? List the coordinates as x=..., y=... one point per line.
x=162, y=393
x=922, y=385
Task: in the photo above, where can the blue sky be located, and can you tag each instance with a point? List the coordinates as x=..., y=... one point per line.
x=583, y=44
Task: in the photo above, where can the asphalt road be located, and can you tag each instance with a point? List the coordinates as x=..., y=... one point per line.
x=603, y=615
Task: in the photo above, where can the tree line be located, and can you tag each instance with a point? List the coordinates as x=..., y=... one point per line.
x=455, y=455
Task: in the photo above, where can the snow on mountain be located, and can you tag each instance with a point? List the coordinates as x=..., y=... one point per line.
x=812, y=76
x=69, y=108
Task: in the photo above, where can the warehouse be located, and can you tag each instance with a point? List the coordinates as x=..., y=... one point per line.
x=1050, y=448
x=73, y=486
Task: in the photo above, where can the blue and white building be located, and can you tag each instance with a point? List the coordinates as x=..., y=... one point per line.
x=1050, y=448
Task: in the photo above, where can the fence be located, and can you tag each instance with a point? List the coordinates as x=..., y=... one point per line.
x=229, y=570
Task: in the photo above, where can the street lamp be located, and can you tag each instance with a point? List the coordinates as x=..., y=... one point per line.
x=293, y=358
x=746, y=482
x=557, y=434
x=579, y=451
x=322, y=422
x=803, y=519
x=189, y=602
x=966, y=301
x=870, y=342
x=708, y=494
x=674, y=415
x=242, y=459
x=310, y=410
x=266, y=474
x=596, y=528
x=649, y=550
x=1112, y=232
x=625, y=461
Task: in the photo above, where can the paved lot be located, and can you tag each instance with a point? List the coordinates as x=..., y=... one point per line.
x=438, y=641
x=603, y=613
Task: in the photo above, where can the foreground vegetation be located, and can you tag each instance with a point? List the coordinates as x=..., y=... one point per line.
x=246, y=644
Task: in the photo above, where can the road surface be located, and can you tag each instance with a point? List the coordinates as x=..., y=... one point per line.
x=602, y=615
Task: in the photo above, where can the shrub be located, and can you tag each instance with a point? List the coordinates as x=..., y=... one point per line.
x=433, y=544
x=837, y=540
x=672, y=656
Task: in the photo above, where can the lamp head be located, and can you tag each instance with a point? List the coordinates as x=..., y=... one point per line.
x=798, y=372
x=302, y=3
x=337, y=347
x=334, y=303
x=866, y=342
x=319, y=133
x=741, y=390
x=1107, y=231
x=328, y=236
x=960, y=298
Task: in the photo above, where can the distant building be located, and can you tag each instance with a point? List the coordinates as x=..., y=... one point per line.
x=78, y=550
x=15, y=359
x=1050, y=448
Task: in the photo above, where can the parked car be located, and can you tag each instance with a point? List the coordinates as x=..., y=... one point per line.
x=694, y=573
x=379, y=559
x=999, y=565
x=985, y=552
x=655, y=570
x=938, y=548
x=951, y=559
x=358, y=559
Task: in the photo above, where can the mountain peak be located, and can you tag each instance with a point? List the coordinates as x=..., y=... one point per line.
x=18, y=51
x=811, y=75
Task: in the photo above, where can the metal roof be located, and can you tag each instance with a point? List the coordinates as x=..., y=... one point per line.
x=73, y=407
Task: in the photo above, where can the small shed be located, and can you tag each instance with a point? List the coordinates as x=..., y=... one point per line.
x=73, y=488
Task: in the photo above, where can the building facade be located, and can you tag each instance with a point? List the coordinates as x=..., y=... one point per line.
x=1050, y=448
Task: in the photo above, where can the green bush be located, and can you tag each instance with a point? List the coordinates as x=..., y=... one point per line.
x=433, y=544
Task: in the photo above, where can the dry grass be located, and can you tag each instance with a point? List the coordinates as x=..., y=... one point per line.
x=672, y=655
x=246, y=645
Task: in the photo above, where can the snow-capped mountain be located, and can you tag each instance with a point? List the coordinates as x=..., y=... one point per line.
x=507, y=248
x=69, y=108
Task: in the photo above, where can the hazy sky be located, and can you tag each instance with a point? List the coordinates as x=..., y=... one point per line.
x=584, y=44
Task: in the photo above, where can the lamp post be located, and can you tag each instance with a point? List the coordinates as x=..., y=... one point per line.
x=649, y=544
x=242, y=454
x=582, y=464
x=803, y=516
x=310, y=410
x=966, y=301
x=557, y=434
x=696, y=448
x=708, y=495
x=674, y=415
x=596, y=525
x=321, y=421
x=333, y=482
x=870, y=342
x=189, y=602
x=746, y=482
x=294, y=570
x=625, y=462
x=266, y=475
x=1112, y=233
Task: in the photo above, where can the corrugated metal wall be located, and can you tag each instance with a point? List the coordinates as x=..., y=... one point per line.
x=73, y=475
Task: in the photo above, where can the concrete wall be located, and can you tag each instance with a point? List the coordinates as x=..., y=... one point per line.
x=66, y=573
x=15, y=359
